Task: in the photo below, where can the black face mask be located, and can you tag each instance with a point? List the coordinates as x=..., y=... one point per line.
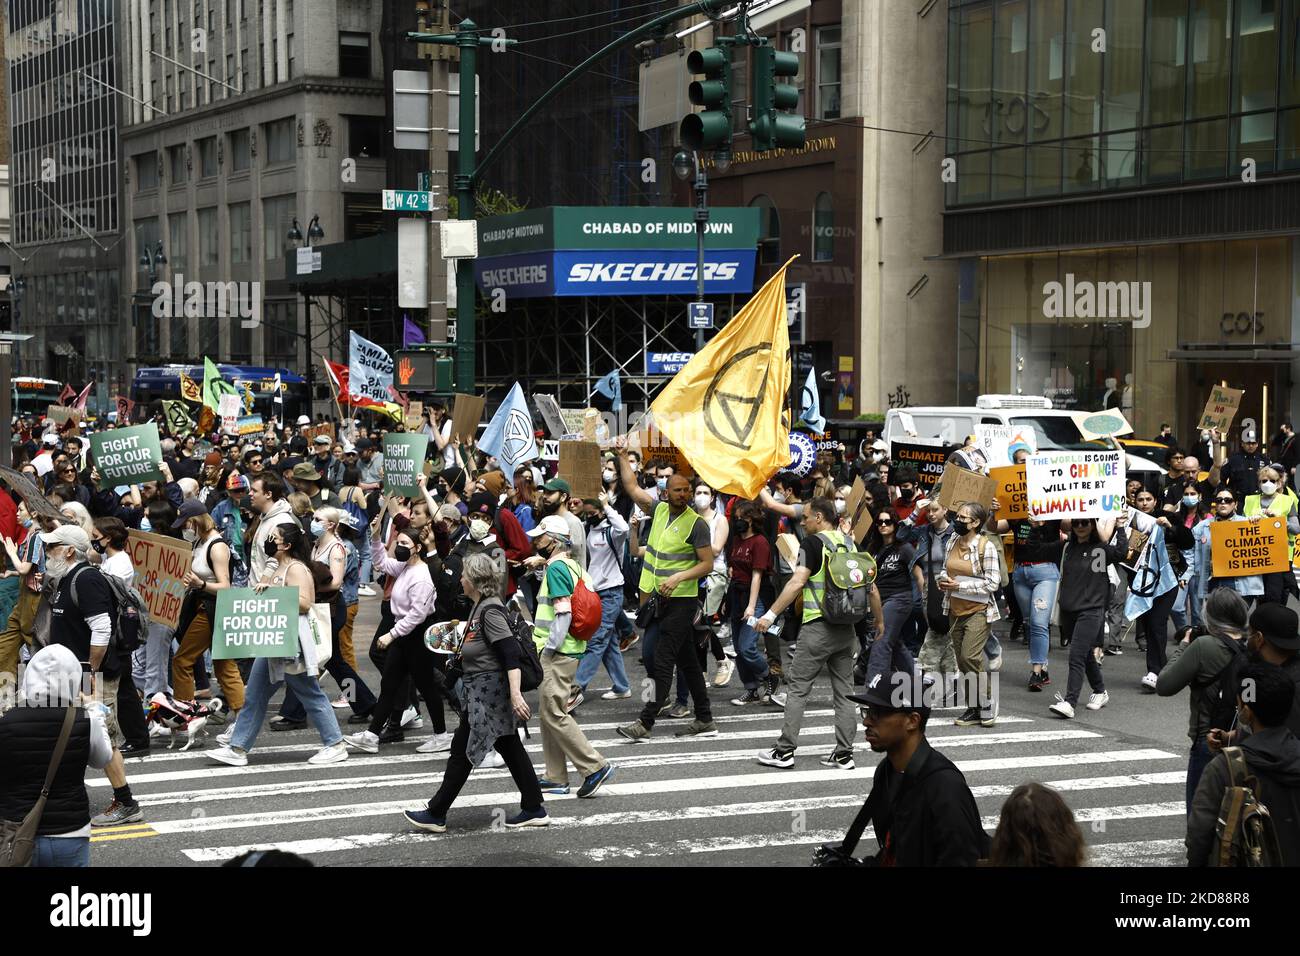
x=402, y=553
x=905, y=494
x=271, y=548
x=963, y=526
x=742, y=527
x=545, y=553
x=98, y=546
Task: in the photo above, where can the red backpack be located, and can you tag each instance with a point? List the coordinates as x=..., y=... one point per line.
x=585, y=606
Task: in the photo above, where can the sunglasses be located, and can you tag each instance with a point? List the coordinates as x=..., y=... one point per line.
x=1225, y=501
x=882, y=522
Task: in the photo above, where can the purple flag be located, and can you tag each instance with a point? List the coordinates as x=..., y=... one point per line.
x=411, y=334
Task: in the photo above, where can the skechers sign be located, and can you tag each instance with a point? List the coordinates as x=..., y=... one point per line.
x=594, y=251
x=666, y=363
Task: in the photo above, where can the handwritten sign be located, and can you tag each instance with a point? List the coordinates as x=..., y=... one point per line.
x=1094, y=426
x=999, y=443
x=1220, y=408
x=403, y=460
x=927, y=458
x=1075, y=484
x=1239, y=548
x=255, y=624
x=1009, y=482
x=127, y=456
x=960, y=487
x=160, y=565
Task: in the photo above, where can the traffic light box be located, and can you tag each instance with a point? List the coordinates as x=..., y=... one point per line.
x=710, y=129
x=771, y=128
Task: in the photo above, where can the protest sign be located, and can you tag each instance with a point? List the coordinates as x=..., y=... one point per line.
x=127, y=456
x=550, y=450
x=370, y=369
x=253, y=624
x=160, y=564
x=549, y=409
x=413, y=416
x=1248, y=547
x=326, y=429
x=862, y=526
x=926, y=456
x=581, y=467
x=1075, y=484
x=1220, y=408
x=229, y=410
x=403, y=459
x=670, y=454
x=1009, y=490
x=250, y=425
x=465, y=415
x=961, y=487
x=61, y=414
x=1094, y=426
x=999, y=443
x=857, y=495
x=25, y=488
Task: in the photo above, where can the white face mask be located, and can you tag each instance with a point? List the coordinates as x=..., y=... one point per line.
x=779, y=498
x=190, y=535
x=478, y=530
x=839, y=506
x=703, y=502
x=608, y=475
x=1268, y=487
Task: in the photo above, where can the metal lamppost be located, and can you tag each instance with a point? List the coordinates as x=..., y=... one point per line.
x=684, y=163
x=314, y=234
x=151, y=260
x=7, y=342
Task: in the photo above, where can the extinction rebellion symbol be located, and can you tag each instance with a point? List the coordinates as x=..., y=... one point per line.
x=518, y=437
x=729, y=412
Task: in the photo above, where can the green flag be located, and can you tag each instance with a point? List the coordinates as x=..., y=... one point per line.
x=214, y=386
x=178, y=417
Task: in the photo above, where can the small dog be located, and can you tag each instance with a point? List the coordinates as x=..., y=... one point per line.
x=165, y=711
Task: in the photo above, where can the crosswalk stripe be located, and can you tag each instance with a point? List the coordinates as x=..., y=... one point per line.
x=592, y=820
x=303, y=815
x=614, y=749
x=1138, y=853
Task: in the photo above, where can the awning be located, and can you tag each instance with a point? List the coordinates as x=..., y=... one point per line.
x=1280, y=354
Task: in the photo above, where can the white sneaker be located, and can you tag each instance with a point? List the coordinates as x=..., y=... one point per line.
x=411, y=719
x=225, y=738
x=335, y=753
x=365, y=741
x=612, y=694
x=1098, y=701
x=1061, y=708
x=492, y=761
x=342, y=702
x=1149, y=682
x=229, y=756
x=723, y=677
x=778, y=699
x=366, y=591
x=435, y=744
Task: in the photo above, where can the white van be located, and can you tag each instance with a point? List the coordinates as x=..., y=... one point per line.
x=1053, y=427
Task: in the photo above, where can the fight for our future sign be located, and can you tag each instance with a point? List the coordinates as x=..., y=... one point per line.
x=127, y=456
x=250, y=623
x=404, y=462
x=1075, y=484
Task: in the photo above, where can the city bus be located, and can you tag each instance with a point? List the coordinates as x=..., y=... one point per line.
x=32, y=396
x=152, y=385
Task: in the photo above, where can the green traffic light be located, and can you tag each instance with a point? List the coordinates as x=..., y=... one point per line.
x=771, y=128
x=711, y=128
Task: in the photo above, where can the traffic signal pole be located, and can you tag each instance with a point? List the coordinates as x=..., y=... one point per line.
x=701, y=224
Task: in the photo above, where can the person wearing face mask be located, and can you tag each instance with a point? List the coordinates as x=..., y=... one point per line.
x=1274, y=639
x=267, y=499
x=209, y=573
x=1157, y=583
x=26, y=561
x=1279, y=502
x=1250, y=586
x=606, y=535
x=555, y=501
x=109, y=538
x=904, y=501
x=750, y=567
x=715, y=585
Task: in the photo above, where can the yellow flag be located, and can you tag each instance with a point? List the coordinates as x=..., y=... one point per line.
x=724, y=408
x=190, y=389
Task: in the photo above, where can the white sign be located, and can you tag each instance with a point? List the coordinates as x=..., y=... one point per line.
x=1075, y=484
x=304, y=260
x=230, y=408
x=412, y=264
x=1000, y=442
x=551, y=450
x=370, y=369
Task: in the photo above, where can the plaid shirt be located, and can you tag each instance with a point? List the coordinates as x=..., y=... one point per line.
x=987, y=569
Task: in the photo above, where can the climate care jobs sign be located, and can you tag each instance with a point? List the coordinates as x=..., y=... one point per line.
x=127, y=456
x=255, y=624
x=1074, y=484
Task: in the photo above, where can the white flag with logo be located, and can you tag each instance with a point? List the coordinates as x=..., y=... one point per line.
x=370, y=369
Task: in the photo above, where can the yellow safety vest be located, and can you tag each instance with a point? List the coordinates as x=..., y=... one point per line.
x=816, y=586
x=571, y=646
x=670, y=551
x=1253, y=509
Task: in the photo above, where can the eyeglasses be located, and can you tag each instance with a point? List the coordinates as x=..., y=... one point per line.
x=1225, y=501
x=870, y=712
x=254, y=461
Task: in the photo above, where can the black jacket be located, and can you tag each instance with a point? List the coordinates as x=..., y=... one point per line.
x=1084, y=582
x=1273, y=756
x=27, y=739
x=929, y=818
x=1241, y=472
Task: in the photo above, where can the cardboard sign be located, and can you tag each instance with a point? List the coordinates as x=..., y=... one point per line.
x=25, y=488
x=788, y=546
x=160, y=565
x=413, y=417
x=253, y=624
x=927, y=458
x=996, y=442
x=666, y=453
x=960, y=487
x=326, y=429
x=403, y=461
x=549, y=409
x=581, y=467
x=1075, y=484
x=1220, y=408
x=465, y=415
x=61, y=414
x=1009, y=489
x=857, y=495
x=1239, y=548
x=862, y=527
x=1094, y=426
x=127, y=456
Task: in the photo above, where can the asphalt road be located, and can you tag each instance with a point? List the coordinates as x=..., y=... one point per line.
x=694, y=802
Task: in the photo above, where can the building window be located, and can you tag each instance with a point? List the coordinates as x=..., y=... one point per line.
x=769, y=229
x=280, y=141
x=362, y=215
x=354, y=55
x=207, y=157
x=828, y=72
x=240, y=157
x=146, y=171
x=280, y=332
x=367, y=137
x=241, y=232
x=823, y=247
x=176, y=171
x=177, y=242
x=277, y=218
x=209, y=234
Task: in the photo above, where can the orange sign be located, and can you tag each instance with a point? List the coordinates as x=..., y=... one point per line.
x=1013, y=498
x=1248, y=547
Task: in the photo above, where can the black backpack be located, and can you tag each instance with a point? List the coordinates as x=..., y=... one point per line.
x=530, y=664
x=130, y=615
x=1223, y=687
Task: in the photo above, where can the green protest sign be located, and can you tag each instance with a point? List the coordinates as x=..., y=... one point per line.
x=127, y=456
x=253, y=624
x=403, y=463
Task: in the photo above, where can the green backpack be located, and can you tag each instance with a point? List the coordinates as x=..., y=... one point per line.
x=849, y=576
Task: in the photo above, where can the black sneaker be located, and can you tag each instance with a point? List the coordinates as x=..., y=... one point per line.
x=392, y=733
x=751, y=696
x=1045, y=679
x=1115, y=650
x=1036, y=680
x=1141, y=644
x=971, y=718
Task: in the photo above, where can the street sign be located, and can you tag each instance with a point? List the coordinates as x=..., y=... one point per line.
x=407, y=200
x=701, y=315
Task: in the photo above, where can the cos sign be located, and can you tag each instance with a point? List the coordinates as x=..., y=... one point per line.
x=1242, y=323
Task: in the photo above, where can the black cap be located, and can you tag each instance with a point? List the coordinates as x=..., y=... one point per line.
x=483, y=503
x=897, y=691
x=364, y=443
x=190, y=508
x=1279, y=624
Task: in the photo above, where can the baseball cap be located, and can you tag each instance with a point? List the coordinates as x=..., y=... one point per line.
x=322, y=440
x=67, y=534
x=362, y=444
x=552, y=525
x=895, y=692
x=189, y=509
x=1279, y=625
x=237, y=483
x=558, y=484
x=349, y=448
x=304, y=420
x=50, y=439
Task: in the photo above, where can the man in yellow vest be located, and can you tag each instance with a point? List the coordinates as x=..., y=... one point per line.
x=678, y=553
x=821, y=644
x=562, y=738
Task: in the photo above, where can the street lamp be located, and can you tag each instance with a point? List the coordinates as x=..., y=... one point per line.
x=7, y=342
x=151, y=259
x=314, y=234
x=683, y=163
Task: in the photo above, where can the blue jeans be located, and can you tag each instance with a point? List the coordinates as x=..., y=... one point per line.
x=1198, y=759
x=750, y=661
x=1035, y=586
x=648, y=642
x=364, y=571
x=603, y=646
x=888, y=653
x=257, y=695
x=62, y=851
